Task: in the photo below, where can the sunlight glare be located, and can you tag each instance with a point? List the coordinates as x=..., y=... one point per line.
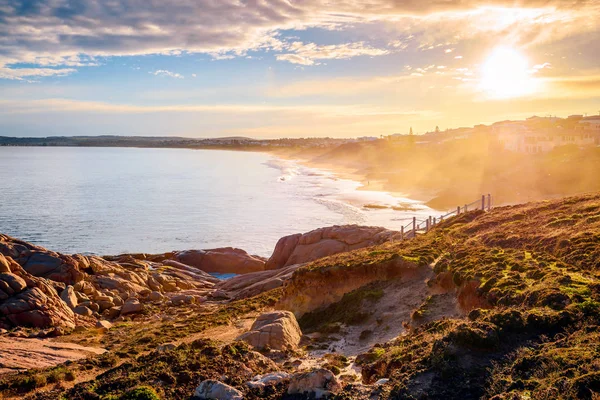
x=505, y=74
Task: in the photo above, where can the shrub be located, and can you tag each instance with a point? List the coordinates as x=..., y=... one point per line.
x=140, y=393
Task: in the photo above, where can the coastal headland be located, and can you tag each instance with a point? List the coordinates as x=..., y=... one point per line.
x=496, y=304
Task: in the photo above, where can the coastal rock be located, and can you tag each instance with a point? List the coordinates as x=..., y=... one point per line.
x=37, y=307
x=260, y=381
x=11, y=284
x=222, y=260
x=131, y=306
x=318, y=383
x=277, y=330
x=69, y=297
x=249, y=285
x=4, y=264
x=156, y=297
x=112, y=312
x=322, y=242
x=283, y=250
x=53, y=266
x=103, y=325
x=83, y=310
x=213, y=389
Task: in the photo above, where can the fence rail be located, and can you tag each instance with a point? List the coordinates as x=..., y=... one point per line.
x=419, y=225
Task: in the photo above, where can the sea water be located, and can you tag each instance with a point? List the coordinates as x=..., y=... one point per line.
x=129, y=200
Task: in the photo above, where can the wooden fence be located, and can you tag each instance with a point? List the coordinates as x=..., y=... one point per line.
x=424, y=225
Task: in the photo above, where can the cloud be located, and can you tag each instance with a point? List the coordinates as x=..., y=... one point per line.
x=64, y=33
x=294, y=59
x=164, y=72
x=31, y=73
x=307, y=53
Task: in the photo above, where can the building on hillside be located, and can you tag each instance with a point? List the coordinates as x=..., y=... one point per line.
x=520, y=138
x=591, y=125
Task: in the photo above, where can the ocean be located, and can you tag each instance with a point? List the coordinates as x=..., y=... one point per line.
x=129, y=200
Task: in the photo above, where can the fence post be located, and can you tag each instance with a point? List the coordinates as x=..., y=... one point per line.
x=458, y=210
x=427, y=224
x=489, y=202
x=402, y=233
x=434, y=221
x=483, y=202
x=414, y=226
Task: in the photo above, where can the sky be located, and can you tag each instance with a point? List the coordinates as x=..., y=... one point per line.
x=291, y=68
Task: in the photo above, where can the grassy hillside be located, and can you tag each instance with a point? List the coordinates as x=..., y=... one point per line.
x=530, y=276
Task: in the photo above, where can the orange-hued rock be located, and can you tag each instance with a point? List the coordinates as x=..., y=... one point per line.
x=276, y=330
x=41, y=262
x=252, y=284
x=32, y=302
x=318, y=383
x=222, y=260
x=322, y=242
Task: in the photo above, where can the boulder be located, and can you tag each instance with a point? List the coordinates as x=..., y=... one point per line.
x=103, y=324
x=222, y=260
x=318, y=383
x=182, y=299
x=83, y=310
x=4, y=264
x=277, y=330
x=131, y=306
x=283, y=250
x=249, y=285
x=11, y=284
x=69, y=297
x=37, y=307
x=166, y=347
x=260, y=381
x=105, y=304
x=53, y=266
x=112, y=312
x=322, y=242
x=212, y=389
x=156, y=297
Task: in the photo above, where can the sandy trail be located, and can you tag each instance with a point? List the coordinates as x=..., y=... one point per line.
x=17, y=354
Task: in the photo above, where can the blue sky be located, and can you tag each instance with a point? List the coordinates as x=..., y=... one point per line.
x=291, y=68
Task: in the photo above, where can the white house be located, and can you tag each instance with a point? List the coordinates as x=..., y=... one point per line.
x=518, y=137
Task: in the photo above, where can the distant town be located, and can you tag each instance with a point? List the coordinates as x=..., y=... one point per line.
x=533, y=135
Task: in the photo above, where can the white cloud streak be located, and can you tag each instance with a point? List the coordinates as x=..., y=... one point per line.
x=166, y=73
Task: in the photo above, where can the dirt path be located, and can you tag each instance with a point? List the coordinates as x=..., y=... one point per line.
x=18, y=354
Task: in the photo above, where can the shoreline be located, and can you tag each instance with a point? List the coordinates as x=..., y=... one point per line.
x=348, y=173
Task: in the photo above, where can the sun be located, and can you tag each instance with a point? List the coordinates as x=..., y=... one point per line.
x=506, y=74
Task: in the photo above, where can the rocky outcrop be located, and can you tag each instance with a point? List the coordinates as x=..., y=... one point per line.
x=276, y=330
x=322, y=242
x=222, y=260
x=29, y=301
x=252, y=284
x=41, y=288
x=318, y=383
x=33, y=303
x=213, y=389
